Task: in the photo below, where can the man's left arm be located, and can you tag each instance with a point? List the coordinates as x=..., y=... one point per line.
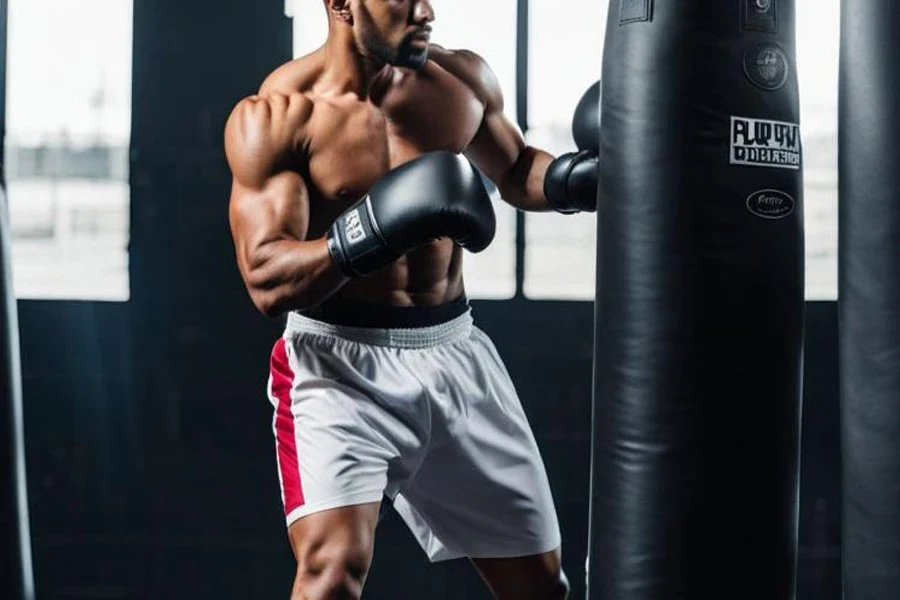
x=528, y=178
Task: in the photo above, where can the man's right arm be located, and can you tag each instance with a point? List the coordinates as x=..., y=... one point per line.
x=269, y=208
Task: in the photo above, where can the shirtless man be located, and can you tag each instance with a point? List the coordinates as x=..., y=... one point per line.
x=352, y=199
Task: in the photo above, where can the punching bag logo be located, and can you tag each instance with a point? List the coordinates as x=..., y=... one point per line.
x=771, y=204
x=767, y=66
x=764, y=143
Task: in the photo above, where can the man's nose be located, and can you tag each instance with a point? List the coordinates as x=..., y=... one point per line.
x=423, y=12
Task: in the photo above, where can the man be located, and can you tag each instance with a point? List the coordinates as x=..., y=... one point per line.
x=351, y=202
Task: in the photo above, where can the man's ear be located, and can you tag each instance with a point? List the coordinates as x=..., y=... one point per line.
x=340, y=10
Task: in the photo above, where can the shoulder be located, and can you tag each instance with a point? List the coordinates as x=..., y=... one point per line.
x=471, y=69
x=263, y=131
x=297, y=75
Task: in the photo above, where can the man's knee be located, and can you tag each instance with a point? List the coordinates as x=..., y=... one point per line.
x=333, y=552
x=332, y=572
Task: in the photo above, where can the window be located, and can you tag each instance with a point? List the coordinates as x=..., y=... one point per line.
x=489, y=274
x=68, y=127
x=818, y=43
x=309, y=25
x=560, y=250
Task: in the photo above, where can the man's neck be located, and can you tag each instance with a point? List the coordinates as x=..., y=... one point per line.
x=346, y=68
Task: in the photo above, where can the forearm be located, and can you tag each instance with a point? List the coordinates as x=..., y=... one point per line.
x=523, y=186
x=569, y=183
x=289, y=275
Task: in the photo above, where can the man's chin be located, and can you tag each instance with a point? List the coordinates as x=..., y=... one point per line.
x=413, y=60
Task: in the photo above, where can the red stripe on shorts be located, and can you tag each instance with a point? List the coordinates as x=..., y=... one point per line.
x=282, y=382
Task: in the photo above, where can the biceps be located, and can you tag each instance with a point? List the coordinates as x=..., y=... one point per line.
x=278, y=211
x=497, y=146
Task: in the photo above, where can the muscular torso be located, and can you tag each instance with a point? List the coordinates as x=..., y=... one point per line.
x=350, y=142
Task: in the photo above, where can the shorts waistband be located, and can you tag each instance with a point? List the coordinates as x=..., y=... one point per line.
x=415, y=338
x=354, y=313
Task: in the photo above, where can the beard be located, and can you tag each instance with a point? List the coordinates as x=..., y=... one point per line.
x=371, y=44
x=412, y=57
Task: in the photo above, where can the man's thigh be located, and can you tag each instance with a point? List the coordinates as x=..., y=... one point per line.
x=482, y=489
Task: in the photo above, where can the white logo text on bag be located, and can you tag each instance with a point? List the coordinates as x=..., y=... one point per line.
x=764, y=143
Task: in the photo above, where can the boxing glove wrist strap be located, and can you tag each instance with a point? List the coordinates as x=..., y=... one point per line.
x=356, y=244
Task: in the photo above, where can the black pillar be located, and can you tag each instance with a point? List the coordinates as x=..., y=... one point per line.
x=869, y=297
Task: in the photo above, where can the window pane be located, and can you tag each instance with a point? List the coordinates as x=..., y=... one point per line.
x=309, y=25
x=560, y=251
x=67, y=152
x=818, y=39
x=490, y=274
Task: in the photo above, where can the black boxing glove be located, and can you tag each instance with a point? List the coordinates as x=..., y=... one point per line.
x=586, y=120
x=570, y=184
x=436, y=195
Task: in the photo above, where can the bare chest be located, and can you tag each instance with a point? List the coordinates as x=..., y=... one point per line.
x=352, y=146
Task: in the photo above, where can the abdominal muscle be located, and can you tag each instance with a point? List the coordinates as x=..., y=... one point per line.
x=427, y=276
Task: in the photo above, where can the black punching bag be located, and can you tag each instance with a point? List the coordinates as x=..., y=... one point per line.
x=699, y=307
x=869, y=299
x=15, y=567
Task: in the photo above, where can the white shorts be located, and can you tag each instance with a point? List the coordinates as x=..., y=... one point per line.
x=426, y=416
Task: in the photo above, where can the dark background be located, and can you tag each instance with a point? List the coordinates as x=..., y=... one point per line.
x=149, y=448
